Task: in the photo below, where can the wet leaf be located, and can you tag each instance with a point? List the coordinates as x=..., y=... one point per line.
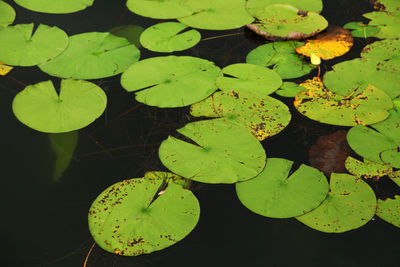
x=387, y=22
x=133, y=217
x=264, y=116
x=130, y=32
x=4, y=69
x=366, y=107
x=63, y=145
x=287, y=22
x=21, y=47
x=350, y=204
x=224, y=153
x=249, y=77
x=93, y=55
x=310, y=5
x=55, y=6
x=168, y=37
x=335, y=42
x=171, y=81
x=361, y=30
x=7, y=15
x=40, y=107
x=289, y=89
x=367, y=169
x=170, y=9
x=389, y=209
x=276, y=193
x=282, y=58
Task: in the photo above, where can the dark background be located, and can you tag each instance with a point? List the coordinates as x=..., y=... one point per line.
x=44, y=222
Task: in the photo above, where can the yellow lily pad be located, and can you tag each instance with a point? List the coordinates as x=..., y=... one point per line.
x=4, y=69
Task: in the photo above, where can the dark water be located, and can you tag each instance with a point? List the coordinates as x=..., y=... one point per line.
x=44, y=223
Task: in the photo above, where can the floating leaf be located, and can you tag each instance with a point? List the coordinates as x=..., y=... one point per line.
x=4, y=69
x=383, y=140
x=168, y=37
x=224, y=152
x=93, y=55
x=389, y=5
x=387, y=22
x=282, y=57
x=287, y=22
x=55, y=6
x=217, y=14
x=274, y=193
x=41, y=108
x=264, y=116
x=335, y=42
x=389, y=209
x=289, y=89
x=171, y=81
x=361, y=30
x=249, y=77
x=63, y=145
x=382, y=51
x=310, y=5
x=170, y=9
x=130, y=32
x=7, y=15
x=350, y=204
x=169, y=177
x=20, y=47
x=134, y=217
x=367, y=169
x=367, y=107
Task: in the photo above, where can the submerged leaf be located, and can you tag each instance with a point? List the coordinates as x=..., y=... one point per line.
x=289, y=89
x=171, y=81
x=369, y=106
x=7, y=15
x=55, y=6
x=264, y=116
x=224, y=152
x=168, y=37
x=41, y=108
x=93, y=55
x=63, y=145
x=350, y=204
x=130, y=32
x=276, y=193
x=133, y=217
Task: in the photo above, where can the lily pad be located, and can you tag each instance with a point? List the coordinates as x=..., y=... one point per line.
x=367, y=169
x=382, y=51
x=21, y=47
x=157, y=9
x=383, y=140
x=307, y=5
x=7, y=15
x=63, y=145
x=217, y=14
x=130, y=32
x=350, y=204
x=224, y=153
x=282, y=58
x=281, y=21
x=93, y=55
x=350, y=76
x=274, y=193
x=171, y=81
x=367, y=107
x=249, y=77
x=390, y=5
x=289, y=89
x=361, y=30
x=264, y=116
x=55, y=6
x=388, y=23
x=41, y=108
x=134, y=217
x=389, y=209
x=168, y=37
x=4, y=69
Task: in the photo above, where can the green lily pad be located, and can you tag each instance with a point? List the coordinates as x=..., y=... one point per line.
x=169, y=177
x=382, y=51
x=389, y=210
x=171, y=81
x=350, y=76
x=249, y=77
x=168, y=37
x=41, y=108
x=367, y=169
x=274, y=193
x=21, y=47
x=157, y=9
x=350, y=204
x=287, y=22
x=217, y=14
x=289, y=89
x=7, y=15
x=55, y=6
x=130, y=32
x=264, y=116
x=134, y=217
x=63, y=145
x=383, y=140
x=282, y=57
x=224, y=153
x=361, y=30
x=307, y=5
x=93, y=55
x=387, y=22
x=390, y=5
x=367, y=107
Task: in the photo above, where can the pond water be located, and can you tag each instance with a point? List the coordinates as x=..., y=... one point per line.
x=44, y=220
